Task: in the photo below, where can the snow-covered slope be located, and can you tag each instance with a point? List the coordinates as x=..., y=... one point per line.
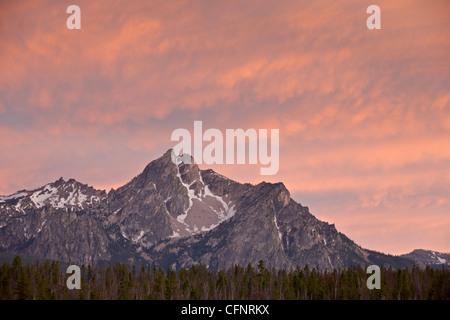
x=61, y=194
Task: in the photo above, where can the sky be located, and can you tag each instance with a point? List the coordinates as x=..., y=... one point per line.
x=363, y=115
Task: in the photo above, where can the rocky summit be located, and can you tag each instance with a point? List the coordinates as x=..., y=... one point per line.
x=173, y=216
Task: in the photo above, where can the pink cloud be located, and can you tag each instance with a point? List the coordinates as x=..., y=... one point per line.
x=360, y=112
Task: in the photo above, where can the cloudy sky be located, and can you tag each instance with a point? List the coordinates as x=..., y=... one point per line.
x=364, y=115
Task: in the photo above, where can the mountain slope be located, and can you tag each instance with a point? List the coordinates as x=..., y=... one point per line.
x=176, y=215
x=429, y=258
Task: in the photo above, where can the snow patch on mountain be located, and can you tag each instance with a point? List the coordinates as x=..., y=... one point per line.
x=13, y=197
x=206, y=210
x=276, y=225
x=59, y=195
x=40, y=197
x=175, y=235
x=442, y=260
x=191, y=193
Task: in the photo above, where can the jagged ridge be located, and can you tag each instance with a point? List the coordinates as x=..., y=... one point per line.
x=175, y=215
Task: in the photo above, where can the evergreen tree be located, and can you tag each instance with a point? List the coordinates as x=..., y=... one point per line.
x=23, y=287
x=124, y=285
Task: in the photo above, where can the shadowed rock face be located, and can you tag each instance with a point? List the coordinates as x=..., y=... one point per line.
x=175, y=215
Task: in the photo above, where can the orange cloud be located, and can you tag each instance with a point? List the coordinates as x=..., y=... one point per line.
x=364, y=113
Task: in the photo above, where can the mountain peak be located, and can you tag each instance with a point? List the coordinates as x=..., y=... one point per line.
x=62, y=182
x=176, y=158
x=60, y=194
x=174, y=215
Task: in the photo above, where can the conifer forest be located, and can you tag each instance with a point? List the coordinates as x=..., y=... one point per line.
x=47, y=281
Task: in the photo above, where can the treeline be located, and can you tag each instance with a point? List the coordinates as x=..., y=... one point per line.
x=46, y=281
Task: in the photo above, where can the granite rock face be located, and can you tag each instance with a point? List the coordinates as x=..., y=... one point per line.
x=176, y=215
